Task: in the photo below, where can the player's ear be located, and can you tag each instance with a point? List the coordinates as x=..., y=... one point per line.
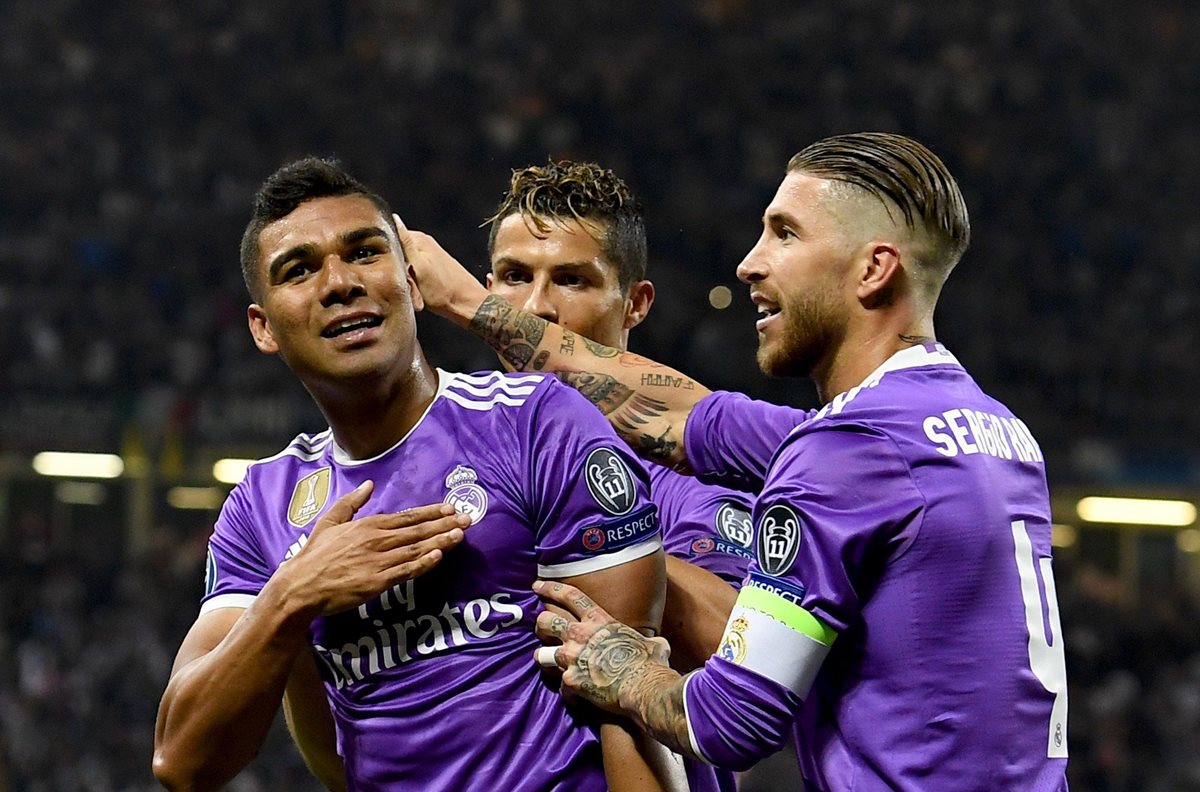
x=637, y=304
x=260, y=330
x=414, y=291
x=878, y=278
x=488, y=280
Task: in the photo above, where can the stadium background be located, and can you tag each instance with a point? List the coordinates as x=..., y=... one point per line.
x=132, y=135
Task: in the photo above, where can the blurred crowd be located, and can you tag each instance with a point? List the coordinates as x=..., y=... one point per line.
x=133, y=135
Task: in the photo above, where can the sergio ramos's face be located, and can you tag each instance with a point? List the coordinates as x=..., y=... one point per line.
x=561, y=276
x=336, y=302
x=797, y=277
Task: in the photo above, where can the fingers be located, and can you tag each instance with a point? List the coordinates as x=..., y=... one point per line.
x=444, y=529
x=572, y=600
x=344, y=509
x=551, y=626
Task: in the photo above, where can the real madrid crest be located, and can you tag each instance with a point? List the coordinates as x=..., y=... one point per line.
x=733, y=645
x=465, y=495
x=309, y=498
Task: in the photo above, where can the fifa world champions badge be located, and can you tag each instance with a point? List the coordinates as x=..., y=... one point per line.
x=733, y=645
x=465, y=495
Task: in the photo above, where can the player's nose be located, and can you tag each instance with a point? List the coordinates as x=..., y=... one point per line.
x=539, y=303
x=753, y=267
x=340, y=281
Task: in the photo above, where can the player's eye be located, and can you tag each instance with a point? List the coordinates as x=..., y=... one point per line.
x=572, y=280
x=514, y=277
x=296, y=271
x=365, y=251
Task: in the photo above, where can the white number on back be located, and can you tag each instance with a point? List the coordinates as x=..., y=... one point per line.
x=1046, y=658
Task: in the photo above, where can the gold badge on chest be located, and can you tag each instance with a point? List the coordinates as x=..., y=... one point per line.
x=309, y=498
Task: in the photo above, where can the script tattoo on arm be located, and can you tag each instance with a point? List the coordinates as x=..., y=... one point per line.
x=631, y=413
x=514, y=335
x=622, y=671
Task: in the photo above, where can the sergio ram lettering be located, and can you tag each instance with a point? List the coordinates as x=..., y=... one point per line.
x=965, y=431
x=403, y=641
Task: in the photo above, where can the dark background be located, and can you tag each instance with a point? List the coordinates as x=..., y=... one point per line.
x=133, y=134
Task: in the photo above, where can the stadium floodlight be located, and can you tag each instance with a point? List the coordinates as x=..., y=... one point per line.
x=81, y=493
x=1188, y=540
x=1137, y=511
x=230, y=470
x=1062, y=535
x=69, y=464
x=205, y=498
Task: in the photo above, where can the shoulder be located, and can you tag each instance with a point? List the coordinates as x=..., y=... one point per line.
x=306, y=455
x=484, y=391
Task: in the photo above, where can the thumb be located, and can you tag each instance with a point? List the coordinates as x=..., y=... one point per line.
x=345, y=507
x=407, y=243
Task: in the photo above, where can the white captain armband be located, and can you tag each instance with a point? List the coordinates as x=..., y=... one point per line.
x=776, y=638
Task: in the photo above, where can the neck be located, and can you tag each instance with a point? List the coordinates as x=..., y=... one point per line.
x=861, y=352
x=368, y=418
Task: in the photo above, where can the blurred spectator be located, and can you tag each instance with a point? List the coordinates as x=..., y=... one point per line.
x=134, y=134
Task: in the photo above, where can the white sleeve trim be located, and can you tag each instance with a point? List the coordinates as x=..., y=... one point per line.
x=220, y=601
x=687, y=716
x=608, y=561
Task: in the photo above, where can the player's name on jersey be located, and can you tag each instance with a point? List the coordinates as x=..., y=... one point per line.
x=965, y=431
x=390, y=639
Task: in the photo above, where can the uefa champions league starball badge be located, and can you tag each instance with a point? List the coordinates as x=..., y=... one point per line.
x=466, y=496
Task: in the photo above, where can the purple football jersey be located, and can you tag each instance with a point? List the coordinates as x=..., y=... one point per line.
x=703, y=524
x=433, y=684
x=739, y=455
x=910, y=520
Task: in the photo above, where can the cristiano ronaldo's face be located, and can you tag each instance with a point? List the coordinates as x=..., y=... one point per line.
x=562, y=276
x=336, y=302
x=797, y=273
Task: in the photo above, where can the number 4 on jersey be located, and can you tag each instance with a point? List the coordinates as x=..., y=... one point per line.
x=1046, y=658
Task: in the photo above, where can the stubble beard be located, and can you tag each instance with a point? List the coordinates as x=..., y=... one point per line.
x=813, y=327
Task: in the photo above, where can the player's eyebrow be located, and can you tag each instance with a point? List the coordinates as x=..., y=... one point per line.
x=361, y=234
x=583, y=264
x=309, y=249
x=777, y=217
x=292, y=253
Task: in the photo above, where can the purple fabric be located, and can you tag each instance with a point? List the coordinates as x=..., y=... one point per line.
x=906, y=507
x=433, y=685
x=703, y=524
x=738, y=455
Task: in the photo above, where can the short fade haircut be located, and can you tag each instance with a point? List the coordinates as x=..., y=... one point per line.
x=564, y=191
x=900, y=172
x=293, y=184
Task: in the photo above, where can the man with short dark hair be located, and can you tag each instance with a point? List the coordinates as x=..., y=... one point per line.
x=900, y=614
x=568, y=244
x=326, y=558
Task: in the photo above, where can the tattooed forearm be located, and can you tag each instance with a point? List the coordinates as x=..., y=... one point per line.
x=567, y=347
x=667, y=381
x=600, y=389
x=621, y=671
x=599, y=350
x=514, y=335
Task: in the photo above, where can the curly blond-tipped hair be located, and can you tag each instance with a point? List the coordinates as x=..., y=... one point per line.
x=558, y=192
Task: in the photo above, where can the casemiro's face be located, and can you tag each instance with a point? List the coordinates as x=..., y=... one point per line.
x=336, y=301
x=797, y=273
x=561, y=276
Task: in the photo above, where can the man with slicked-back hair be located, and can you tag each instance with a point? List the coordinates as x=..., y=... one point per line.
x=900, y=615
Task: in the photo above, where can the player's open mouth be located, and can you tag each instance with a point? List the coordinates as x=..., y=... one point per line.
x=352, y=325
x=767, y=312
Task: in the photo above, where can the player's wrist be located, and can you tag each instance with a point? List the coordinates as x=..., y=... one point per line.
x=294, y=599
x=464, y=303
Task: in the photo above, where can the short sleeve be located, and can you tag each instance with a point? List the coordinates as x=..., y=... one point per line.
x=730, y=438
x=839, y=506
x=591, y=495
x=704, y=525
x=235, y=571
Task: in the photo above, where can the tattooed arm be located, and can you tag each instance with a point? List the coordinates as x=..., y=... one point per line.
x=615, y=667
x=646, y=402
